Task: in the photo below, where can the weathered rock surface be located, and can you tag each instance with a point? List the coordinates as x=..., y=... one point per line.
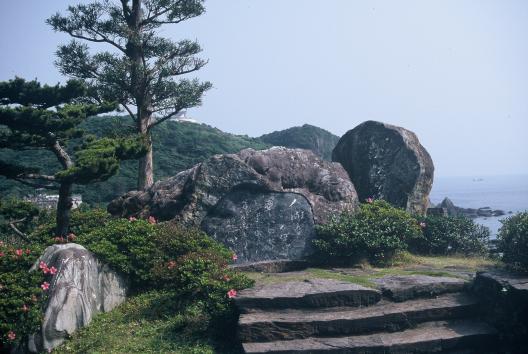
x=387, y=162
x=309, y=293
x=504, y=298
x=81, y=288
x=260, y=226
x=283, y=324
x=406, y=287
x=430, y=337
x=257, y=202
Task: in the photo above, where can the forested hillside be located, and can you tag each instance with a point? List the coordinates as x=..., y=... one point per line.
x=177, y=146
x=309, y=137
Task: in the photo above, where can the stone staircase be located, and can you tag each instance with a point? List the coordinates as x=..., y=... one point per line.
x=406, y=314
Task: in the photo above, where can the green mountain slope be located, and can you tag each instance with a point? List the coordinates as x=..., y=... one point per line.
x=320, y=141
x=177, y=146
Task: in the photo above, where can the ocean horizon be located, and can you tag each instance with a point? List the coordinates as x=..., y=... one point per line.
x=504, y=192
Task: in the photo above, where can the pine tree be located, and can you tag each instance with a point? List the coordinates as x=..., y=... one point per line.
x=34, y=117
x=142, y=70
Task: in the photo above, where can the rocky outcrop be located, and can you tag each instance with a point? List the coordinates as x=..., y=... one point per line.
x=387, y=162
x=262, y=204
x=453, y=210
x=81, y=288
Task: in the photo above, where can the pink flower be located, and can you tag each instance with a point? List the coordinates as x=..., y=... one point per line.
x=45, y=286
x=171, y=265
x=25, y=308
x=2, y=254
x=152, y=220
x=423, y=225
x=42, y=265
x=231, y=293
x=370, y=200
x=132, y=219
x=19, y=252
x=52, y=270
x=234, y=257
x=11, y=335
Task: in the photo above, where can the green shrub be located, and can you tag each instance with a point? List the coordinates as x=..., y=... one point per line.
x=376, y=232
x=25, y=216
x=82, y=221
x=446, y=235
x=21, y=296
x=513, y=240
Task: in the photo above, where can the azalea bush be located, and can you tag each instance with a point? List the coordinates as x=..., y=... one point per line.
x=513, y=240
x=446, y=235
x=21, y=295
x=166, y=255
x=375, y=233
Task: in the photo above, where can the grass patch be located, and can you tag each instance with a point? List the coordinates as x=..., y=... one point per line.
x=148, y=323
x=403, y=264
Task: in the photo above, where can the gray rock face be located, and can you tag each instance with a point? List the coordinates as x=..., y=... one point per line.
x=259, y=226
x=504, y=298
x=387, y=162
x=406, y=287
x=262, y=204
x=81, y=288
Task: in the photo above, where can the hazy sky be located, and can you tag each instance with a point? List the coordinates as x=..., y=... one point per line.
x=454, y=72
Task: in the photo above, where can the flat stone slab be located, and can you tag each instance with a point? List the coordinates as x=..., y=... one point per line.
x=274, y=266
x=384, y=316
x=430, y=337
x=406, y=287
x=311, y=293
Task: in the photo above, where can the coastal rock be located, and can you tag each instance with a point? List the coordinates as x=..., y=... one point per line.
x=453, y=210
x=387, y=162
x=81, y=288
x=256, y=202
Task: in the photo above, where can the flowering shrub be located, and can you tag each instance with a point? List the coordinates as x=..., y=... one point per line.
x=445, y=235
x=376, y=232
x=513, y=240
x=21, y=295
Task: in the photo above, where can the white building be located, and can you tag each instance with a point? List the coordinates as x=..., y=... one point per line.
x=182, y=117
x=49, y=201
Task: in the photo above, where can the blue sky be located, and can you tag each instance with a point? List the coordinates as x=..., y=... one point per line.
x=454, y=72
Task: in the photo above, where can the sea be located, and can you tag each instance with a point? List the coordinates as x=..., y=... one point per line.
x=507, y=192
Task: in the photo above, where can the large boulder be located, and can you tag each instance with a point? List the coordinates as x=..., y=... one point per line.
x=81, y=288
x=262, y=204
x=387, y=162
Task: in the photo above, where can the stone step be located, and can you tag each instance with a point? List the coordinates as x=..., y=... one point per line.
x=384, y=316
x=313, y=293
x=406, y=287
x=430, y=337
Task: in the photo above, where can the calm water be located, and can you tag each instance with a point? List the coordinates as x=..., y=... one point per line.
x=508, y=193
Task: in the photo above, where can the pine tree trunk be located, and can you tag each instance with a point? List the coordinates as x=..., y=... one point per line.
x=64, y=209
x=145, y=172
